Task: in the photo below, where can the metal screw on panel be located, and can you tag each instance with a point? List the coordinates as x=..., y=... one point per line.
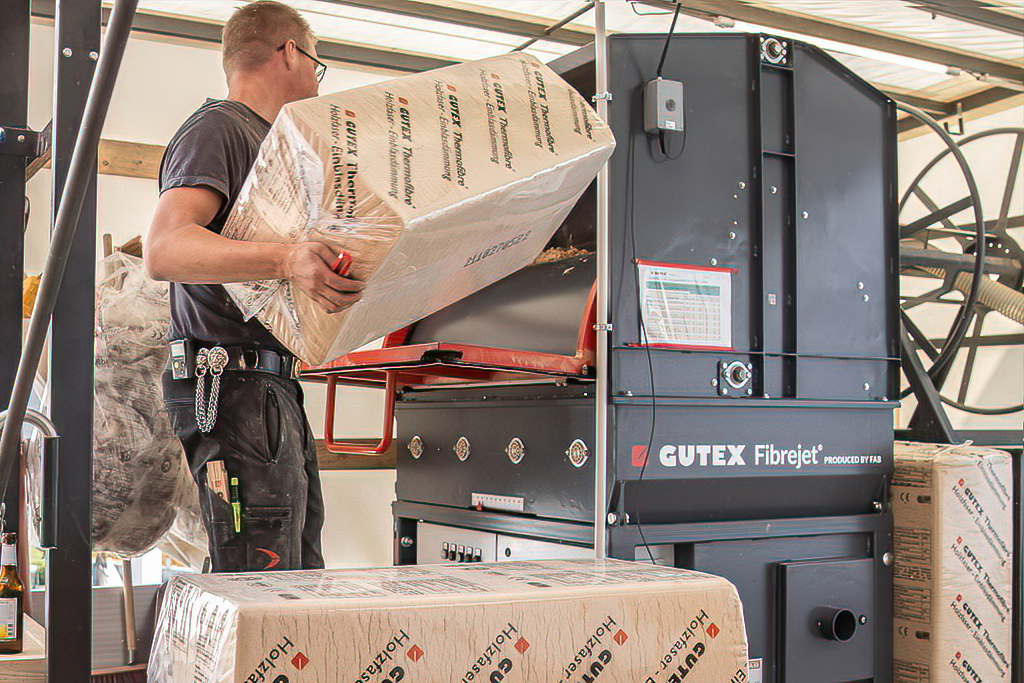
x=750, y=392
x=735, y=222
x=805, y=215
x=3, y=134
x=714, y=262
x=773, y=189
x=887, y=559
x=93, y=55
x=67, y=52
x=406, y=541
x=714, y=382
x=613, y=519
x=867, y=387
x=21, y=138
x=735, y=196
x=767, y=528
x=860, y=285
x=877, y=505
x=863, y=619
x=743, y=185
x=732, y=235
x=866, y=297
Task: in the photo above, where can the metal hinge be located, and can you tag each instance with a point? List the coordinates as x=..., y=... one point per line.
x=19, y=142
x=602, y=96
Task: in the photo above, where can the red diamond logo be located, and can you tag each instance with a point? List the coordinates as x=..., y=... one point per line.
x=961, y=482
x=299, y=661
x=959, y=540
x=522, y=645
x=620, y=637
x=639, y=456
x=713, y=631
x=958, y=655
x=414, y=653
x=959, y=597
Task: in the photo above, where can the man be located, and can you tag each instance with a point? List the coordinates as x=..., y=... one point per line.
x=231, y=392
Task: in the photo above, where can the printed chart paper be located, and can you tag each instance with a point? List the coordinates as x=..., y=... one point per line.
x=687, y=306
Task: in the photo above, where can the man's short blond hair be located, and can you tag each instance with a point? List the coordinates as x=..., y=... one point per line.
x=256, y=30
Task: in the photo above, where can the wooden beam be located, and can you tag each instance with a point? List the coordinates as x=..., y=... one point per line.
x=116, y=157
x=975, y=106
x=334, y=461
x=129, y=159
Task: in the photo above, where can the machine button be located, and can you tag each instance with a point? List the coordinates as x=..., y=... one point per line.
x=462, y=448
x=515, y=450
x=578, y=453
x=444, y=550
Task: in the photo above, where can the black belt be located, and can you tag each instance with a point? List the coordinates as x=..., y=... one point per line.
x=240, y=359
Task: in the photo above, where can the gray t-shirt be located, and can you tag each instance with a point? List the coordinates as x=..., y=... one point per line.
x=214, y=148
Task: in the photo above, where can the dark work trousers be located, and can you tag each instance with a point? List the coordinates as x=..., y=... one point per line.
x=262, y=435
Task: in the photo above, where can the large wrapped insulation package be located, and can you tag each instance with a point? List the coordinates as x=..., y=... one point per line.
x=139, y=473
x=953, y=540
x=438, y=184
x=515, y=622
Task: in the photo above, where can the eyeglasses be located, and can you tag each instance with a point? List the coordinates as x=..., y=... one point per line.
x=321, y=68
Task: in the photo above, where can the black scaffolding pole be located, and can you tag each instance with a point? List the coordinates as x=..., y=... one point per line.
x=80, y=107
x=14, y=53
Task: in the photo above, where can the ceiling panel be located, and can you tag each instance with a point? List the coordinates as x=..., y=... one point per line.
x=899, y=18
x=333, y=20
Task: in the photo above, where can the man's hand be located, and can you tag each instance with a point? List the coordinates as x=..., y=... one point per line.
x=308, y=267
x=180, y=249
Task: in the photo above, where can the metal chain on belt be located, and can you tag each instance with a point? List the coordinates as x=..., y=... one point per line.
x=215, y=360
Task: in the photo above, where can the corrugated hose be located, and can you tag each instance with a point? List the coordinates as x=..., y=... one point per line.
x=995, y=295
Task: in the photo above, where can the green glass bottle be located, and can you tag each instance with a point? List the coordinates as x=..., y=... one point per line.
x=12, y=597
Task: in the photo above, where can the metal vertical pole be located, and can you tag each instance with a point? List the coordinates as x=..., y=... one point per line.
x=14, y=51
x=69, y=565
x=601, y=446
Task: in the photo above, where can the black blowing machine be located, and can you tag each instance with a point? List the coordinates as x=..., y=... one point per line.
x=745, y=400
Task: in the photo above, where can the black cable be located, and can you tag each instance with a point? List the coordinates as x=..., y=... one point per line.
x=663, y=145
x=668, y=38
x=641, y=329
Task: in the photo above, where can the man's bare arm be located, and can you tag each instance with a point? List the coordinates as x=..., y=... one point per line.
x=179, y=249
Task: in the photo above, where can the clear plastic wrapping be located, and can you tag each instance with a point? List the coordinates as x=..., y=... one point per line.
x=139, y=474
x=438, y=184
x=542, y=622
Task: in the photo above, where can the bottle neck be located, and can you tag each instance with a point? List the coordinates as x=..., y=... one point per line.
x=9, y=555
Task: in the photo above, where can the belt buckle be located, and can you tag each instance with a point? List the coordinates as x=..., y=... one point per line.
x=244, y=363
x=294, y=373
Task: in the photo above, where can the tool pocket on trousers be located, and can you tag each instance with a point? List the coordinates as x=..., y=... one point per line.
x=269, y=539
x=228, y=546
x=272, y=425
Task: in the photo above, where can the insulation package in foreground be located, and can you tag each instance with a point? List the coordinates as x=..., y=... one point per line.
x=515, y=622
x=438, y=184
x=953, y=518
